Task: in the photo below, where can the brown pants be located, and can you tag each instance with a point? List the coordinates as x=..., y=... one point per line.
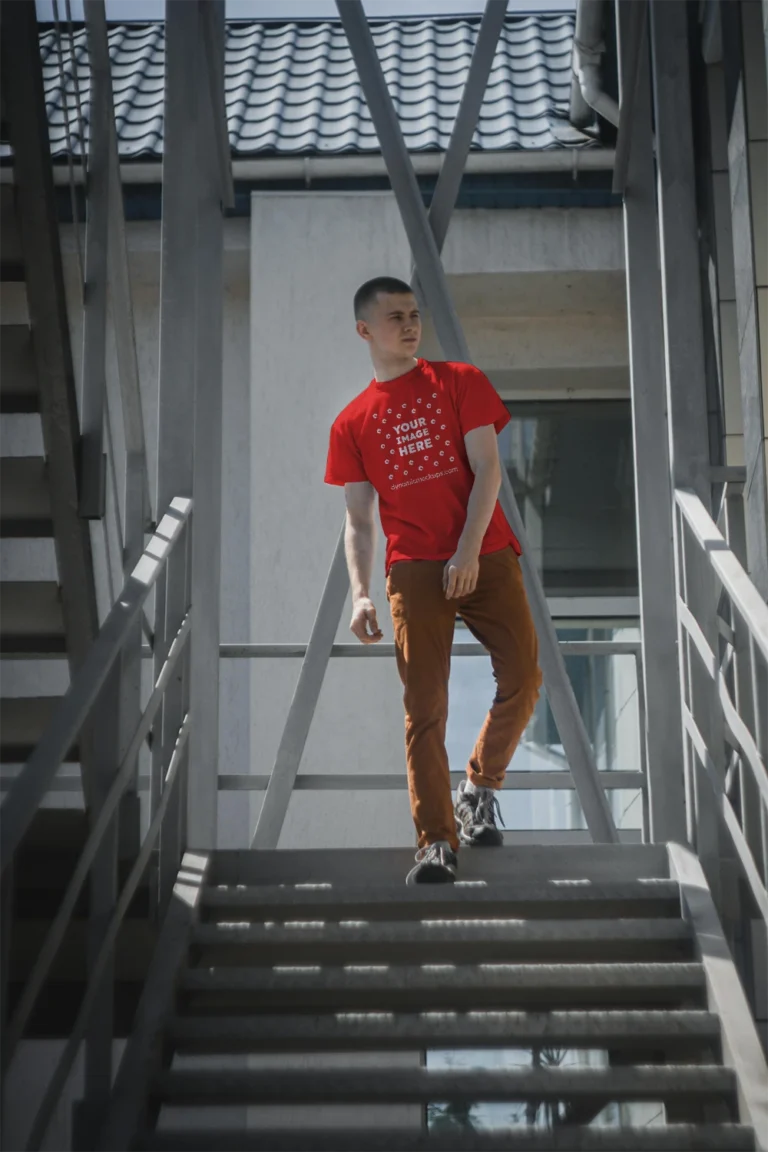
x=497, y=615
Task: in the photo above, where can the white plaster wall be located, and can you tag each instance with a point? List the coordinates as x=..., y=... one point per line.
x=309, y=255
x=534, y=240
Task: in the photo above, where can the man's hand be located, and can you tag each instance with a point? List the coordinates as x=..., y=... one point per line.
x=363, y=619
x=460, y=574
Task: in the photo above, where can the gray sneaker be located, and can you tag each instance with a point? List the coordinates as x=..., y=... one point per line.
x=476, y=814
x=435, y=864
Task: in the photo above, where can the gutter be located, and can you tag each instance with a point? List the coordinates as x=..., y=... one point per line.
x=352, y=166
x=587, y=94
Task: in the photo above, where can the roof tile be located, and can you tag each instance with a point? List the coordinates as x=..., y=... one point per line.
x=293, y=87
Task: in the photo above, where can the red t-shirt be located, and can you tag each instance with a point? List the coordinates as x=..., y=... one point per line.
x=406, y=437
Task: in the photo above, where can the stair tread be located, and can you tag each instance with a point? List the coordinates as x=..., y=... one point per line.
x=328, y=1032
x=25, y=505
x=455, y=901
x=666, y=1138
x=372, y=866
x=18, y=382
x=414, y=1085
x=446, y=987
x=407, y=975
x=31, y=617
x=23, y=719
x=479, y=940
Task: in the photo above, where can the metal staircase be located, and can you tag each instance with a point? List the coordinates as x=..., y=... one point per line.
x=319, y=966
x=588, y=990
x=40, y=529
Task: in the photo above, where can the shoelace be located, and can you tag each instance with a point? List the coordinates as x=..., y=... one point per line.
x=488, y=808
x=431, y=852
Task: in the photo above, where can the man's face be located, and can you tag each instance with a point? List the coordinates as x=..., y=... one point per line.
x=392, y=324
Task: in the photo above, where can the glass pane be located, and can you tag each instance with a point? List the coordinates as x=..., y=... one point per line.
x=605, y=686
x=570, y=465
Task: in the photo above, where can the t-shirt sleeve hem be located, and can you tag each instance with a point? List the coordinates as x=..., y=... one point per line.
x=498, y=422
x=339, y=482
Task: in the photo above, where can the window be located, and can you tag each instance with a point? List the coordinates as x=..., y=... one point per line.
x=571, y=468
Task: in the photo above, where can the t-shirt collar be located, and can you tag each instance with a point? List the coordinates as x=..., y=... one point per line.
x=397, y=381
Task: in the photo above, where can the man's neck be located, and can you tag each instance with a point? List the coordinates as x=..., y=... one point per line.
x=392, y=367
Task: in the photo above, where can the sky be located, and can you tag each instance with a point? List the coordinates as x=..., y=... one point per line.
x=139, y=10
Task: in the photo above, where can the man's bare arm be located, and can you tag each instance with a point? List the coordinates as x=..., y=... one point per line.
x=360, y=548
x=462, y=570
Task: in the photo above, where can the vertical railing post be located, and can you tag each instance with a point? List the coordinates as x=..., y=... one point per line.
x=173, y=714
x=89, y=1114
x=661, y=733
x=191, y=346
x=136, y=507
x=211, y=187
x=178, y=340
x=92, y=459
x=684, y=361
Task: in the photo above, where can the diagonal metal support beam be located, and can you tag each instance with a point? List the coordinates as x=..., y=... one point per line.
x=449, y=332
x=304, y=702
x=449, y=180
x=431, y=231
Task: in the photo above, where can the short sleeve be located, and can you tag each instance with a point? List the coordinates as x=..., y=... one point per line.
x=477, y=401
x=344, y=464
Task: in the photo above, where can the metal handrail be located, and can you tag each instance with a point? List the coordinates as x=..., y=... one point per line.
x=31, y=784
x=55, y=935
x=78, y=706
x=99, y=966
x=461, y=648
x=742, y=719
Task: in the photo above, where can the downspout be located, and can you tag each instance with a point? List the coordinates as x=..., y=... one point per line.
x=586, y=88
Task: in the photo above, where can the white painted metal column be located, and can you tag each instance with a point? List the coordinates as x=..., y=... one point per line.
x=653, y=489
x=214, y=188
x=685, y=370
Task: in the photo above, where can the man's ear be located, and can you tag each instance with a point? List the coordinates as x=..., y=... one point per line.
x=363, y=330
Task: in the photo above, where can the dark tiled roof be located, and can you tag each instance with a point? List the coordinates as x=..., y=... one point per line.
x=292, y=88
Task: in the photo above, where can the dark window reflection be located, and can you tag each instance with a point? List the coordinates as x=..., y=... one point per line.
x=570, y=464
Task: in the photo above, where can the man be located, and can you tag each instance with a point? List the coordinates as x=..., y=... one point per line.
x=423, y=436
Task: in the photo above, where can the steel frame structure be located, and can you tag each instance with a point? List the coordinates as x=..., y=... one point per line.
x=704, y=660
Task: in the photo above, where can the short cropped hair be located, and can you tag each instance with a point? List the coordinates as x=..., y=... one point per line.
x=367, y=293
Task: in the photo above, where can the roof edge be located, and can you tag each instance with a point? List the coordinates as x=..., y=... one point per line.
x=312, y=168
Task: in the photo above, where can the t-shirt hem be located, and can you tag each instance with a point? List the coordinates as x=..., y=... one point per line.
x=513, y=543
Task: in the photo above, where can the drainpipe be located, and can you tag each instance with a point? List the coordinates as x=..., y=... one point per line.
x=586, y=87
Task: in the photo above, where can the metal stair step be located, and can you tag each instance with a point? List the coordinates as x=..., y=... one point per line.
x=446, y=987
x=22, y=722
x=18, y=382
x=25, y=505
x=657, y=1083
x=667, y=1031
x=374, y=866
x=31, y=618
x=669, y=1138
x=481, y=941
x=527, y=900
